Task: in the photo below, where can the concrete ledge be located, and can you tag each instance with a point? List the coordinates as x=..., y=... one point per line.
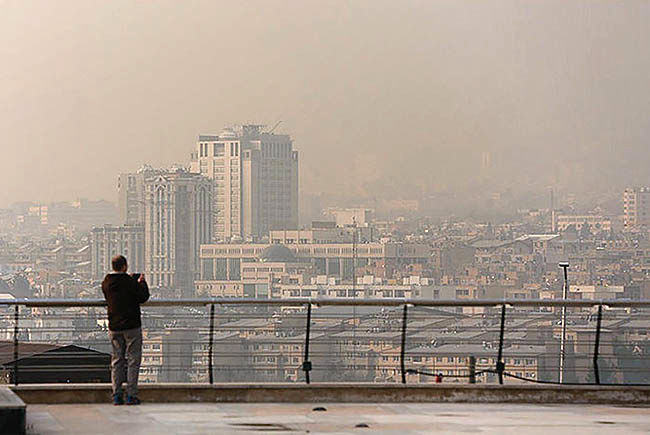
x=12, y=412
x=340, y=393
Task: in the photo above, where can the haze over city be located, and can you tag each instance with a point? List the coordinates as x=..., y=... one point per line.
x=383, y=98
x=324, y=216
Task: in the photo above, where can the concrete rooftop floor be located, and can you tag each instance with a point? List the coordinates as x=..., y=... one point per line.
x=249, y=418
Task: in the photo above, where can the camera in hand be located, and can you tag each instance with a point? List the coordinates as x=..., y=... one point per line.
x=136, y=276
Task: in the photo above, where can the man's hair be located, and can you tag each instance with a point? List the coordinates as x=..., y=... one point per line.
x=118, y=262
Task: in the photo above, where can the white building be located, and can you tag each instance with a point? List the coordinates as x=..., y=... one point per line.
x=255, y=174
x=636, y=207
x=596, y=223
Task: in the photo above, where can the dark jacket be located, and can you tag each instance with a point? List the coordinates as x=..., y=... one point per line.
x=124, y=295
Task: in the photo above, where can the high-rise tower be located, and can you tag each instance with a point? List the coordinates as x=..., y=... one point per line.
x=178, y=219
x=255, y=175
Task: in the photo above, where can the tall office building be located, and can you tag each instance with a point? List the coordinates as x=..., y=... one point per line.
x=178, y=219
x=255, y=175
x=636, y=207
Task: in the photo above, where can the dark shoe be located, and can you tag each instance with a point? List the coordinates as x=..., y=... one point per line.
x=132, y=400
x=118, y=399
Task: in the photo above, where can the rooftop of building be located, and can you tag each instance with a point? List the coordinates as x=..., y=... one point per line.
x=479, y=350
x=277, y=254
x=246, y=131
x=323, y=415
x=383, y=418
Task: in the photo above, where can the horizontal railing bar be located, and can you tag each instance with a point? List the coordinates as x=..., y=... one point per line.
x=299, y=302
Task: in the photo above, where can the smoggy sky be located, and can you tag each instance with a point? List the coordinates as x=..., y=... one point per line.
x=376, y=94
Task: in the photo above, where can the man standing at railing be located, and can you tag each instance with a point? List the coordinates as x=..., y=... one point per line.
x=124, y=293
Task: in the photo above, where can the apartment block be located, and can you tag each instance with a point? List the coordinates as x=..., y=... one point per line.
x=110, y=240
x=596, y=223
x=636, y=207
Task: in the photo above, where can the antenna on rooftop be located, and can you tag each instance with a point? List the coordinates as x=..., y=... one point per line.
x=274, y=127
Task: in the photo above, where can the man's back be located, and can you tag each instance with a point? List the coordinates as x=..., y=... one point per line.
x=124, y=295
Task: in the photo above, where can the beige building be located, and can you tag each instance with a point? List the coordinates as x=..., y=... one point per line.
x=596, y=292
x=255, y=175
x=452, y=360
x=167, y=356
x=636, y=207
x=109, y=240
x=350, y=216
x=131, y=195
x=345, y=291
x=596, y=223
x=324, y=232
x=130, y=198
x=260, y=270
x=251, y=277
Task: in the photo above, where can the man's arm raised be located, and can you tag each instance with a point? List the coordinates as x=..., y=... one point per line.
x=142, y=290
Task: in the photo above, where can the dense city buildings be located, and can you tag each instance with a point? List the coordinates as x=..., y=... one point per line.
x=636, y=207
x=255, y=175
x=178, y=219
x=68, y=216
x=295, y=257
x=215, y=231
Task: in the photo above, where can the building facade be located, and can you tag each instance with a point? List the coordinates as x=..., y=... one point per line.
x=595, y=223
x=255, y=175
x=109, y=240
x=361, y=217
x=130, y=198
x=261, y=270
x=636, y=207
x=178, y=219
x=131, y=195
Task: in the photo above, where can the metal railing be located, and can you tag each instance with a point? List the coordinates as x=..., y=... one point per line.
x=304, y=340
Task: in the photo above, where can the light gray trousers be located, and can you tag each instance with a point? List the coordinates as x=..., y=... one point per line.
x=125, y=363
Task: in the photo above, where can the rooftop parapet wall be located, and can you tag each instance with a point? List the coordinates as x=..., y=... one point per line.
x=342, y=393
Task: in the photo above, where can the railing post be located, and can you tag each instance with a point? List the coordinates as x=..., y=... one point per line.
x=472, y=369
x=210, y=344
x=597, y=344
x=306, y=364
x=16, y=312
x=403, y=347
x=501, y=367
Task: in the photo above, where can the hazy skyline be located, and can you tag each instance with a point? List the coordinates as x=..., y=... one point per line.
x=410, y=93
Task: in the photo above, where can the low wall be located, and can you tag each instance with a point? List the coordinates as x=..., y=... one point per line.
x=12, y=413
x=340, y=393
